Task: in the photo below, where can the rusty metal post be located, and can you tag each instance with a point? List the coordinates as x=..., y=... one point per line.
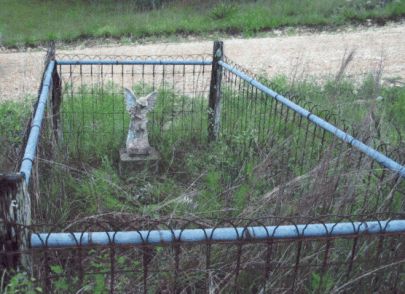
x=56, y=103
x=15, y=217
x=214, y=111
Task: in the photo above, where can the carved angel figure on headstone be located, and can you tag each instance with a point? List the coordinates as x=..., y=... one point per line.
x=138, y=108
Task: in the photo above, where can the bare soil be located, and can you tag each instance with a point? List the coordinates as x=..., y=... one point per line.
x=298, y=56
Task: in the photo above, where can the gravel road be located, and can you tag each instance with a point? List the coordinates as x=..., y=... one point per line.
x=304, y=54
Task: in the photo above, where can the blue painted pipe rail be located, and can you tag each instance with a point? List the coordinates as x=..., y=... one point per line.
x=259, y=233
x=35, y=130
x=134, y=62
x=374, y=154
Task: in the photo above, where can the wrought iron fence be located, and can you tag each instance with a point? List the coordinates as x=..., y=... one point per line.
x=240, y=256
x=313, y=169
x=93, y=101
x=321, y=168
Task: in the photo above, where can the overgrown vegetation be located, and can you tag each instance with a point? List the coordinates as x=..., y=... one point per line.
x=195, y=178
x=12, y=118
x=248, y=173
x=30, y=23
x=232, y=177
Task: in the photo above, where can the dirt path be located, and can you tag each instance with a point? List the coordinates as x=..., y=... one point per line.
x=317, y=54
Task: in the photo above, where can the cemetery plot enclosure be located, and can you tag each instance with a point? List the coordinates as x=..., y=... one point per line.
x=278, y=173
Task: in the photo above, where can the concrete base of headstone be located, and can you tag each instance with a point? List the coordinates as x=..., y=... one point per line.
x=133, y=163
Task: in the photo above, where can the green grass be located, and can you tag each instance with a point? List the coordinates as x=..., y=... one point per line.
x=257, y=152
x=225, y=179
x=33, y=22
x=12, y=123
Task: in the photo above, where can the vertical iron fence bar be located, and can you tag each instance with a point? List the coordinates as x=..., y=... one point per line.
x=80, y=263
x=113, y=100
x=400, y=269
x=231, y=102
x=360, y=170
x=296, y=267
x=286, y=153
x=313, y=144
x=237, y=268
x=324, y=265
x=256, y=117
x=268, y=267
x=143, y=79
x=72, y=110
x=123, y=111
x=274, y=134
x=214, y=114
x=235, y=102
x=177, y=251
x=207, y=266
x=299, y=135
x=63, y=116
x=173, y=93
x=243, y=113
x=304, y=147
x=225, y=98
x=352, y=255
x=102, y=88
x=93, y=102
x=147, y=256
x=246, y=99
x=368, y=184
x=260, y=101
x=83, y=125
x=183, y=111
x=132, y=76
x=376, y=281
x=163, y=98
x=321, y=149
x=253, y=115
x=168, y=112
x=238, y=111
x=286, y=122
x=339, y=160
x=153, y=78
x=47, y=270
x=379, y=187
x=269, y=118
x=192, y=92
x=202, y=100
x=279, y=122
x=112, y=268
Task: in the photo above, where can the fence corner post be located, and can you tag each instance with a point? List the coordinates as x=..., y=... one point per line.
x=56, y=99
x=15, y=219
x=214, y=103
x=56, y=102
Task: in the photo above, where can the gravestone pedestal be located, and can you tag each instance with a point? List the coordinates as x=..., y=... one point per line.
x=133, y=163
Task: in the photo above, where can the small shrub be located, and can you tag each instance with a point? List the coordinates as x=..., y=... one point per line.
x=223, y=10
x=22, y=283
